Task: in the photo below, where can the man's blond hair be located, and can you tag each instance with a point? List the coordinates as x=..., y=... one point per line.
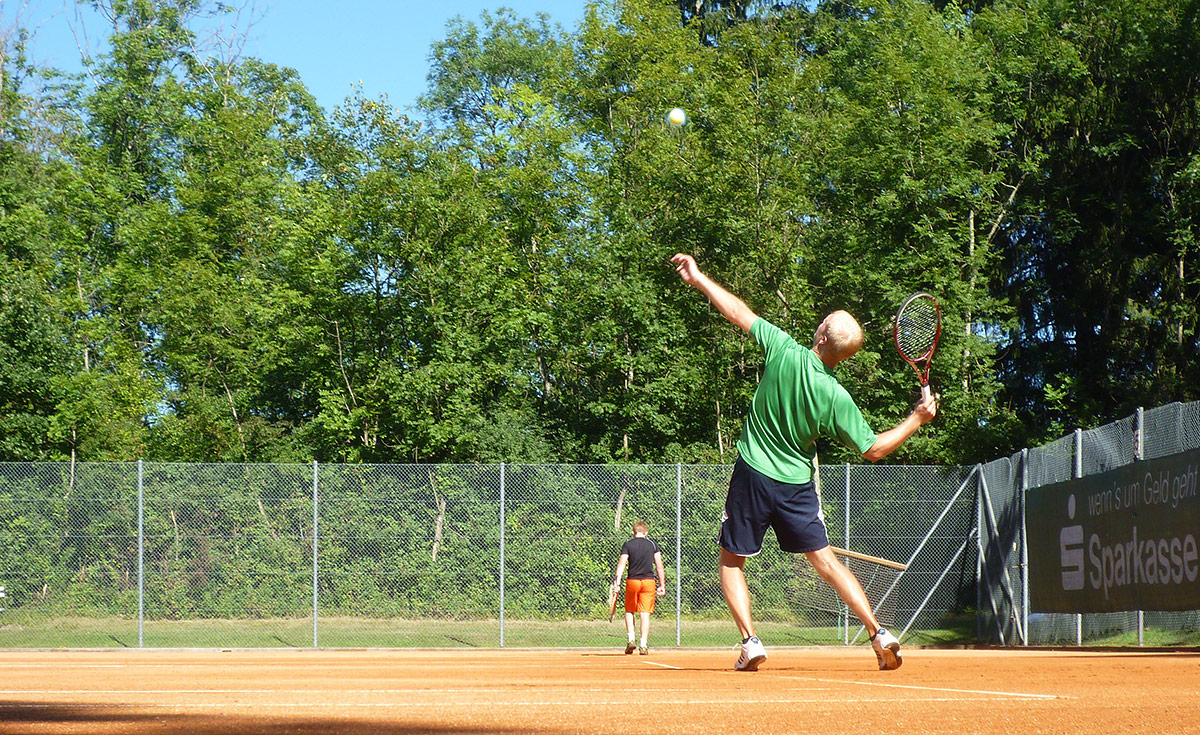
x=845, y=335
x=640, y=527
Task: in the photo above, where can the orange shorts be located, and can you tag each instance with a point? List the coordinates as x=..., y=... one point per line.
x=639, y=595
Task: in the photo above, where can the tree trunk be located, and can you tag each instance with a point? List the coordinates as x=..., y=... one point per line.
x=441, y=517
x=972, y=275
x=720, y=437
x=620, y=502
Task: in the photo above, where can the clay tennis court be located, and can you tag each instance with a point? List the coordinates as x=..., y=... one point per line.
x=595, y=691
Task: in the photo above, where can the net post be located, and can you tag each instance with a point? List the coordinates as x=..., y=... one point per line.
x=502, y=478
x=141, y=541
x=678, y=549
x=315, y=563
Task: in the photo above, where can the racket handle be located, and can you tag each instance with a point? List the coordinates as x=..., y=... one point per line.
x=925, y=392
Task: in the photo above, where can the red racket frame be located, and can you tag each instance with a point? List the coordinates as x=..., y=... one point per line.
x=927, y=356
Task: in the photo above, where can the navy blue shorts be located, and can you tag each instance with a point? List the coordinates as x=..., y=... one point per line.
x=756, y=502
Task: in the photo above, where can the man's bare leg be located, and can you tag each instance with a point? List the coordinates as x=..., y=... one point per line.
x=736, y=592
x=886, y=646
x=826, y=564
x=737, y=597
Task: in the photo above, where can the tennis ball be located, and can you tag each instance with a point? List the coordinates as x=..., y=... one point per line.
x=677, y=116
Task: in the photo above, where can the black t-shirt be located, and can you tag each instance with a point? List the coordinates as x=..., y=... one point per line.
x=641, y=551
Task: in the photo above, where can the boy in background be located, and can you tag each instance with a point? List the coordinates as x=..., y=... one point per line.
x=645, y=563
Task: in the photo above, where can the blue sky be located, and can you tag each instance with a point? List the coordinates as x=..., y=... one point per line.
x=334, y=44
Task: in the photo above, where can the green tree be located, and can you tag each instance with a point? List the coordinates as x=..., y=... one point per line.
x=33, y=354
x=822, y=153
x=223, y=323
x=1098, y=259
x=916, y=175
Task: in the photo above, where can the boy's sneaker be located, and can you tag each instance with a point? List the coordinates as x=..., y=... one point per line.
x=753, y=654
x=887, y=650
x=644, y=650
x=630, y=647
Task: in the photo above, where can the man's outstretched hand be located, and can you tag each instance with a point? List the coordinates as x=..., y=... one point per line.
x=685, y=266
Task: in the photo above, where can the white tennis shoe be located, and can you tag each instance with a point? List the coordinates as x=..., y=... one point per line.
x=887, y=650
x=753, y=654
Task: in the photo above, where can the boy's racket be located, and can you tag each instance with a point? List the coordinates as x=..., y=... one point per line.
x=612, y=601
x=918, y=326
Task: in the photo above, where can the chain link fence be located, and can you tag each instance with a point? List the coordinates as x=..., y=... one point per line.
x=228, y=555
x=1004, y=601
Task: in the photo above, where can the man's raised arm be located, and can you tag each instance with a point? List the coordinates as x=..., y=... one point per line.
x=730, y=306
x=890, y=440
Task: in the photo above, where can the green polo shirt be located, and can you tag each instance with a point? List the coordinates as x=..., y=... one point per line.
x=797, y=400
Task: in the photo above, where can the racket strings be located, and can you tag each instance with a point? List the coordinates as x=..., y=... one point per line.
x=917, y=328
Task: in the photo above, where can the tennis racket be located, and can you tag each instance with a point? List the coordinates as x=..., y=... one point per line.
x=917, y=328
x=612, y=601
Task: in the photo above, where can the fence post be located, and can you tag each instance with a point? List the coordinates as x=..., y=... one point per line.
x=141, y=559
x=845, y=617
x=678, y=549
x=316, y=567
x=1139, y=453
x=1024, y=548
x=1078, y=473
x=502, y=555
x=979, y=577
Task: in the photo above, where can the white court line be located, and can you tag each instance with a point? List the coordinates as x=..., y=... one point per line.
x=917, y=687
x=266, y=665
x=56, y=665
x=491, y=705
x=978, y=693
x=665, y=666
x=465, y=690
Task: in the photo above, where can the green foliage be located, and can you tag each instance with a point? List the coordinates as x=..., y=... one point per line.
x=1099, y=258
x=199, y=263
x=33, y=359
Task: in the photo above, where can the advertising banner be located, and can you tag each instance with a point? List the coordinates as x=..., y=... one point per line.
x=1119, y=540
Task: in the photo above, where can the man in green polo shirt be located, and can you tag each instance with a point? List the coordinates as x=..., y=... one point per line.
x=797, y=400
